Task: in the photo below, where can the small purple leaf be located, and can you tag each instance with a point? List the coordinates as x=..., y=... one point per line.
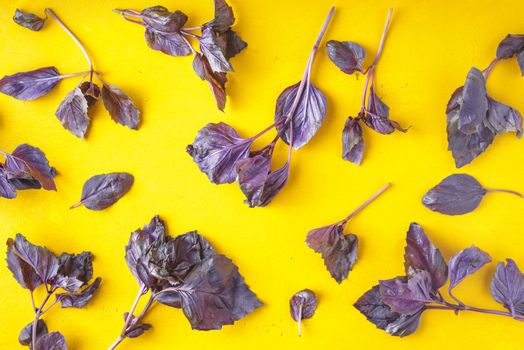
x=172, y=44
x=224, y=17
x=30, y=85
x=346, y=55
x=136, y=328
x=102, y=191
x=120, y=106
x=507, y=287
x=23, y=272
x=302, y=305
x=510, y=46
x=28, y=20
x=464, y=263
x=74, y=271
x=51, y=341
x=352, y=141
x=407, y=296
x=377, y=115
x=7, y=188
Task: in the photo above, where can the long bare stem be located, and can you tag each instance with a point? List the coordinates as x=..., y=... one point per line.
x=505, y=191
x=366, y=203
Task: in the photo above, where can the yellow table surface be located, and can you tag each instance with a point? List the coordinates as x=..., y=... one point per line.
x=429, y=50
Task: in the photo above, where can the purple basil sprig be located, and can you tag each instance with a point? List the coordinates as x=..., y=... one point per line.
x=166, y=32
x=225, y=156
x=34, y=266
x=73, y=110
x=474, y=118
x=349, y=56
x=339, y=251
x=184, y=272
x=396, y=305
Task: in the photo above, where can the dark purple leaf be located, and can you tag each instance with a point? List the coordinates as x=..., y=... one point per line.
x=40, y=259
x=213, y=52
x=338, y=250
x=507, y=287
x=302, y=305
x=380, y=314
x=30, y=85
x=421, y=255
x=474, y=103
x=26, y=334
x=307, y=116
x=51, y=341
x=352, y=141
x=102, y=191
x=72, y=113
x=502, y=118
x=216, y=81
x=28, y=20
x=91, y=92
x=74, y=271
x=229, y=42
x=81, y=298
x=215, y=294
x=29, y=160
x=346, y=55
x=22, y=271
x=510, y=46
x=457, y=194
x=172, y=44
x=407, y=296
x=520, y=61
x=216, y=150
x=169, y=298
x=464, y=263
x=159, y=18
x=135, y=328
x=224, y=17
x=120, y=106
x=377, y=115
x=7, y=188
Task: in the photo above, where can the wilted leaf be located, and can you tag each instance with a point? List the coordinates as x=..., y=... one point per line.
x=407, y=296
x=26, y=334
x=28, y=20
x=464, y=263
x=30, y=85
x=305, y=119
x=302, y=305
x=74, y=271
x=159, y=18
x=507, y=287
x=229, y=42
x=457, y=194
x=352, y=141
x=51, y=341
x=216, y=81
x=216, y=150
x=346, y=55
x=81, y=298
x=102, y=191
x=7, y=189
x=91, y=92
x=29, y=160
x=72, y=113
x=377, y=115
x=502, y=118
x=120, y=106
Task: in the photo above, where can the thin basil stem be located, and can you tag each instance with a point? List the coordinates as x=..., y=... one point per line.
x=38, y=313
x=505, y=191
x=191, y=35
x=366, y=203
x=278, y=122
x=457, y=308
x=192, y=28
x=299, y=321
x=33, y=301
x=383, y=38
x=128, y=12
x=486, y=72
x=189, y=44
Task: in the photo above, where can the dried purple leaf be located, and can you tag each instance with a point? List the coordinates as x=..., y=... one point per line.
x=28, y=20
x=91, y=93
x=352, y=141
x=346, y=55
x=80, y=299
x=302, y=305
x=120, y=106
x=502, y=118
x=30, y=85
x=102, y=191
x=51, y=341
x=407, y=296
x=464, y=263
x=72, y=113
x=26, y=334
x=507, y=287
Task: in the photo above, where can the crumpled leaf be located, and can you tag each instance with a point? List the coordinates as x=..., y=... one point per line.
x=377, y=115
x=407, y=296
x=307, y=117
x=91, y=93
x=216, y=81
x=339, y=251
x=28, y=20
x=224, y=17
x=120, y=106
x=159, y=18
x=30, y=85
x=464, y=263
x=135, y=328
x=7, y=188
x=213, y=52
x=27, y=160
x=169, y=43
x=512, y=45
x=474, y=103
x=51, y=341
x=421, y=255
x=352, y=141
x=26, y=334
x=80, y=299
x=214, y=294
x=74, y=271
x=102, y=191
x=346, y=55
x=457, y=194
x=302, y=305
x=40, y=259
x=216, y=150
x=72, y=113
x=380, y=314
x=507, y=287
x=502, y=118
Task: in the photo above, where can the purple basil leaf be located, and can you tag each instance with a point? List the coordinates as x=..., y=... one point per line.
x=307, y=117
x=377, y=115
x=74, y=271
x=159, y=18
x=51, y=341
x=502, y=118
x=464, y=263
x=229, y=42
x=23, y=181
x=120, y=106
x=72, y=113
x=26, y=334
x=213, y=52
x=507, y=287
x=216, y=81
x=81, y=298
x=421, y=255
x=457, y=194
x=302, y=305
x=510, y=46
x=216, y=150
x=352, y=141
x=136, y=328
x=30, y=85
x=29, y=160
x=346, y=55
x=91, y=92
x=214, y=294
x=380, y=314
x=338, y=250
x=7, y=188
x=22, y=271
x=28, y=20
x=464, y=147
x=40, y=259
x=102, y=191
x=172, y=44
x=407, y=296
x=474, y=103
x=520, y=61
x=169, y=298
x=224, y=17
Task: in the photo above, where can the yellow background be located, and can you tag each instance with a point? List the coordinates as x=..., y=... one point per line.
x=429, y=50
